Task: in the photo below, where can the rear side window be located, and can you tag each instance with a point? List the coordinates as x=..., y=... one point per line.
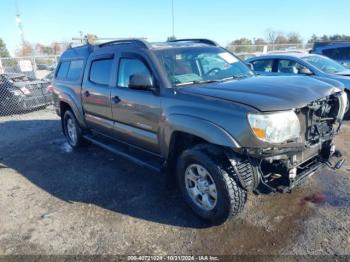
x=63, y=70
x=100, y=71
x=263, y=65
x=75, y=70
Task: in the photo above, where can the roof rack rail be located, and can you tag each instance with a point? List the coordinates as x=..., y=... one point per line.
x=196, y=40
x=140, y=41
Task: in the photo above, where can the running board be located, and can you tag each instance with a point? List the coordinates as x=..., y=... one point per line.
x=127, y=152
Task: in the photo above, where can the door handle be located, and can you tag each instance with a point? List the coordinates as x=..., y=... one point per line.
x=116, y=99
x=87, y=93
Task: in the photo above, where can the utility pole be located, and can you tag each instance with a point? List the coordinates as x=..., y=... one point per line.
x=173, y=17
x=19, y=23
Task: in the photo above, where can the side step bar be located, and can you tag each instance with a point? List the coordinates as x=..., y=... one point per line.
x=139, y=158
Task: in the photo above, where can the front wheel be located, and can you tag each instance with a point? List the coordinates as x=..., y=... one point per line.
x=207, y=186
x=72, y=130
x=347, y=114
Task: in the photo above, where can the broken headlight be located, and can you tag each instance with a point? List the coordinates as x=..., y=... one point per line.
x=344, y=105
x=275, y=128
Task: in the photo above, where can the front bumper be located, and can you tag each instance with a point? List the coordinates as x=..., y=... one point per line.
x=283, y=172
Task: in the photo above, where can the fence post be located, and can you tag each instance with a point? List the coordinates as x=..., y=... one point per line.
x=34, y=66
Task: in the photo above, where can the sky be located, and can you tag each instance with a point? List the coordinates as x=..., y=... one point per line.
x=46, y=21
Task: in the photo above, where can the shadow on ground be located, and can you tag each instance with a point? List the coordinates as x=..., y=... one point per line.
x=38, y=151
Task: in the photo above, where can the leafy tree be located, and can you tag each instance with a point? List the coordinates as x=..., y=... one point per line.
x=326, y=38
x=241, y=45
x=3, y=50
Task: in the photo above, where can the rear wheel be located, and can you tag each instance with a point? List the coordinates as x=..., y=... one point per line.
x=207, y=186
x=72, y=130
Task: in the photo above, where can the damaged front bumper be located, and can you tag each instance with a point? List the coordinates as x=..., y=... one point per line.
x=282, y=170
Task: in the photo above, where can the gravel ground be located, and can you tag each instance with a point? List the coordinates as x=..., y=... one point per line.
x=57, y=201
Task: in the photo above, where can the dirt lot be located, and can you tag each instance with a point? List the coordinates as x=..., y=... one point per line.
x=56, y=201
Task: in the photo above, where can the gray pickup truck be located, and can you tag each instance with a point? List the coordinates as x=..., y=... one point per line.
x=192, y=110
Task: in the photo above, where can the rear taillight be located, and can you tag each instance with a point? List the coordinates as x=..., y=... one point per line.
x=50, y=88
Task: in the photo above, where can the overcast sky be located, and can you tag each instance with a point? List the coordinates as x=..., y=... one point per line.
x=46, y=21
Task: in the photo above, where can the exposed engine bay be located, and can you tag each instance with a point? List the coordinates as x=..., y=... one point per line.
x=280, y=170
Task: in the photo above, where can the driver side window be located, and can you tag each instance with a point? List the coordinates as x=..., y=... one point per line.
x=129, y=67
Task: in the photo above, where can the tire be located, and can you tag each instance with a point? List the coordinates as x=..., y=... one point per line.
x=230, y=197
x=72, y=130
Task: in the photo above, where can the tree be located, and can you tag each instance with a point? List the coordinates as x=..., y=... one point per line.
x=3, y=50
x=325, y=38
x=56, y=48
x=281, y=39
x=260, y=41
x=241, y=45
x=294, y=38
x=25, y=50
x=271, y=36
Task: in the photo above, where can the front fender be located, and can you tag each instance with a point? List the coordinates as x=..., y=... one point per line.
x=194, y=126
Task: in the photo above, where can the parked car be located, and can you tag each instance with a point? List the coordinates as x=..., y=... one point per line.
x=296, y=64
x=337, y=50
x=20, y=93
x=192, y=110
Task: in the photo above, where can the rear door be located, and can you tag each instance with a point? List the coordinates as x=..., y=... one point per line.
x=96, y=92
x=136, y=113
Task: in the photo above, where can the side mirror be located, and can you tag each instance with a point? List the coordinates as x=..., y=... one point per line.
x=140, y=82
x=305, y=71
x=251, y=66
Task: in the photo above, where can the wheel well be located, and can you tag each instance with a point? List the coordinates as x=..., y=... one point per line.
x=64, y=107
x=180, y=141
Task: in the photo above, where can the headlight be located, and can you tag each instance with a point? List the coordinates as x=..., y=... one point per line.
x=275, y=127
x=344, y=105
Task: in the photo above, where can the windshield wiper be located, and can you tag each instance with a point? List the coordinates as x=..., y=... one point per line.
x=234, y=77
x=196, y=82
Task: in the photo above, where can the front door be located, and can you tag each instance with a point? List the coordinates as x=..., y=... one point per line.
x=136, y=112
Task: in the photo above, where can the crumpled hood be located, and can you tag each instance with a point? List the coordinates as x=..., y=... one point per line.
x=267, y=93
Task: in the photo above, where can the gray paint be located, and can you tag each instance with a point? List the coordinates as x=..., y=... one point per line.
x=216, y=113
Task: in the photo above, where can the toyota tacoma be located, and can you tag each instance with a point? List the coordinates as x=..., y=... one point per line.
x=193, y=111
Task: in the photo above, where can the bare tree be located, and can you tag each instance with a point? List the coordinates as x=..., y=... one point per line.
x=271, y=35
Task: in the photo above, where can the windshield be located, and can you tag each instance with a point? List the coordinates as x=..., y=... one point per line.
x=325, y=64
x=200, y=65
